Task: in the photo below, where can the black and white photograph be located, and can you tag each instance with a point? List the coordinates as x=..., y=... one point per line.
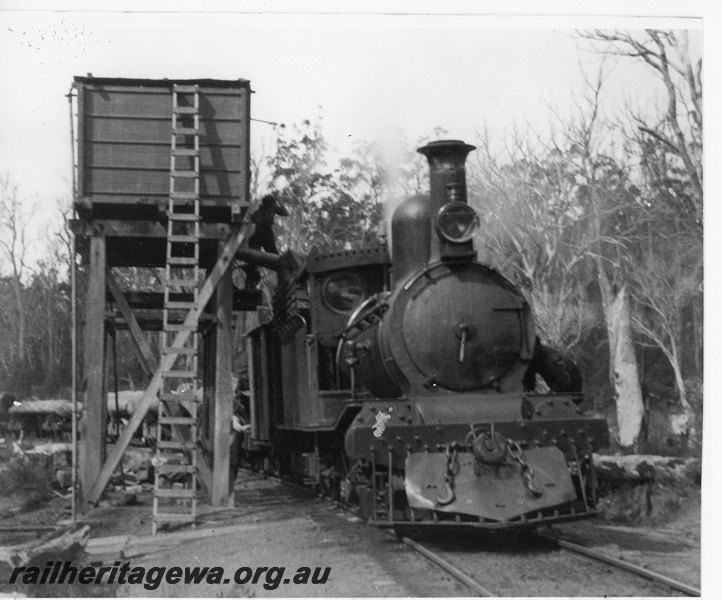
x=345, y=300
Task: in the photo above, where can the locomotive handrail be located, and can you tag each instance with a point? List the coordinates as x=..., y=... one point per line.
x=355, y=314
x=349, y=326
x=361, y=312
x=432, y=267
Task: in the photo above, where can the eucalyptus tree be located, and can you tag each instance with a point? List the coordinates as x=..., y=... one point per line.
x=665, y=149
x=678, y=124
x=15, y=217
x=559, y=222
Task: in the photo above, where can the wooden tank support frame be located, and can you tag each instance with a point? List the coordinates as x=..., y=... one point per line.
x=96, y=469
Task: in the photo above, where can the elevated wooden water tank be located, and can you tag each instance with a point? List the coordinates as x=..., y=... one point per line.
x=123, y=137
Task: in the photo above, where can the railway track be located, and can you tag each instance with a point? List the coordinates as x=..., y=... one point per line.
x=445, y=560
x=627, y=566
x=470, y=566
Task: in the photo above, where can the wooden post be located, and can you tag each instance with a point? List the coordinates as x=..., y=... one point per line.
x=209, y=396
x=95, y=403
x=223, y=392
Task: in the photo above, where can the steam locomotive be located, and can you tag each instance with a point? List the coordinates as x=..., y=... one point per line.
x=406, y=385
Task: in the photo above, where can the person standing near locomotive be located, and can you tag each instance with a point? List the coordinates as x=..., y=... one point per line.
x=263, y=237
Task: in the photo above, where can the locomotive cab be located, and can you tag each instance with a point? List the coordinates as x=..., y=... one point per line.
x=297, y=382
x=338, y=284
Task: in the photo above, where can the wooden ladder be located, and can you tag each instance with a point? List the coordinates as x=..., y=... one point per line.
x=176, y=460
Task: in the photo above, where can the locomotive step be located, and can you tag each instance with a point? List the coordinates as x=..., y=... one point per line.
x=172, y=493
x=185, y=110
x=184, y=173
x=179, y=88
x=186, y=131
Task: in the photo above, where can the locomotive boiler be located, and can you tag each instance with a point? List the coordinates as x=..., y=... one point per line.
x=406, y=385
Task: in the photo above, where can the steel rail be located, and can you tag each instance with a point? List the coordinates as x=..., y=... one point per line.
x=622, y=564
x=457, y=574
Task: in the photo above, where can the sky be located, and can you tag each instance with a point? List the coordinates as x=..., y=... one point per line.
x=364, y=75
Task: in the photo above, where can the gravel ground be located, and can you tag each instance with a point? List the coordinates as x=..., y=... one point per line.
x=672, y=551
x=530, y=566
x=298, y=531
x=292, y=530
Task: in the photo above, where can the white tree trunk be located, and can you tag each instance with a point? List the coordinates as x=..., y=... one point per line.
x=628, y=392
x=686, y=423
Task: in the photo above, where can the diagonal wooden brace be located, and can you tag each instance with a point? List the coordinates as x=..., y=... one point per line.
x=140, y=345
x=191, y=322
x=150, y=364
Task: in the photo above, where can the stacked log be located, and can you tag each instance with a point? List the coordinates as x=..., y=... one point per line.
x=647, y=468
x=68, y=545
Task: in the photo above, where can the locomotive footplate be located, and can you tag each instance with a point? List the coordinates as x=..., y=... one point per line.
x=495, y=492
x=531, y=522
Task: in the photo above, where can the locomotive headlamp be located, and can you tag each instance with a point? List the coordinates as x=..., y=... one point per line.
x=456, y=222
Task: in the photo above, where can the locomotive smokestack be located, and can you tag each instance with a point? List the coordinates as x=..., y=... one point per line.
x=447, y=171
x=414, y=242
x=447, y=179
